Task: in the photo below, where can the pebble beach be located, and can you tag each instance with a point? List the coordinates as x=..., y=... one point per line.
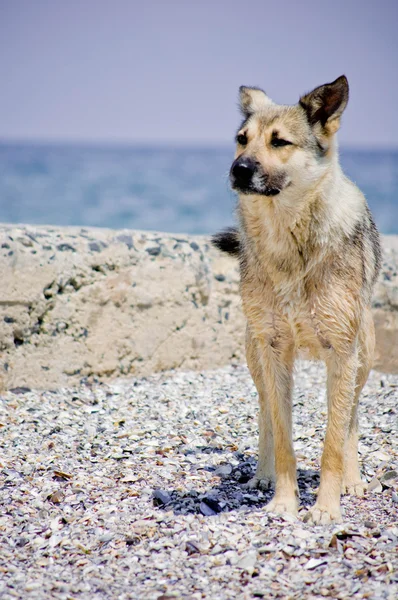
x=135, y=489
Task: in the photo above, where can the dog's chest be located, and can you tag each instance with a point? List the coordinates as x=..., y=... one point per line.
x=282, y=278
x=288, y=298
x=304, y=326
x=291, y=301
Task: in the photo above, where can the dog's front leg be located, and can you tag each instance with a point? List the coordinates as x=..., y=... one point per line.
x=277, y=370
x=265, y=472
x=342, y=371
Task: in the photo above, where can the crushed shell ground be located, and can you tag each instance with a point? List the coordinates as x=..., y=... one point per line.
x=135, y=489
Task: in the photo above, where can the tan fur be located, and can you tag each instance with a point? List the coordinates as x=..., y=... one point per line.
x=309, y=258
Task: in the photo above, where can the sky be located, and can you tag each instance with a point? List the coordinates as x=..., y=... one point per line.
x=168, y=72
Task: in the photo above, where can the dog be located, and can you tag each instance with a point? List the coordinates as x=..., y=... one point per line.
x=309, y=255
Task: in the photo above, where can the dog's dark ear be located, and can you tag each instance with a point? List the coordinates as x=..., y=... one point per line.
x=326, y=103
x=252, y=99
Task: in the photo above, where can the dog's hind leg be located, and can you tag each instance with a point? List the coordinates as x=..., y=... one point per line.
x=265, y=472
x=342, y=372
x=352, y=483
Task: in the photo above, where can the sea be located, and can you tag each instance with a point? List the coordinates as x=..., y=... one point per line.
x=180, y=190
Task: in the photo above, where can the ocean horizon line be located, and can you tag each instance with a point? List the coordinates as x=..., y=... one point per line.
x=159, y=145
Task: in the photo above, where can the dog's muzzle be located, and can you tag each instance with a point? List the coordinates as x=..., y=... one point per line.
x=247, y=176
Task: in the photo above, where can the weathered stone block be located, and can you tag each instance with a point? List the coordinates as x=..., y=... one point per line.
x=78, y=302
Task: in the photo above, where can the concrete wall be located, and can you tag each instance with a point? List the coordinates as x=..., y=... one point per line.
x=78, y=302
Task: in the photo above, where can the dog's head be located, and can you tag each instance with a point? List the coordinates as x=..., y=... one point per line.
x=280, y=147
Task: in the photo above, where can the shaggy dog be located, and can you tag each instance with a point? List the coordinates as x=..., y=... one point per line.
x=309, y=256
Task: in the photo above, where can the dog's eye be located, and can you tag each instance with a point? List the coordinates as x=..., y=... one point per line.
x=241, y=139
x=278, y=143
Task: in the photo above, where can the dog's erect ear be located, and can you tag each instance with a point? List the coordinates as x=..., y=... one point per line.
x=252, y=99
x=326, y=103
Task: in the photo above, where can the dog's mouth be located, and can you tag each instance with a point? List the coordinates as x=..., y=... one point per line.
x=249, y=189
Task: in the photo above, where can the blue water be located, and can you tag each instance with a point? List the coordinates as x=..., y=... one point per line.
x=181, y=190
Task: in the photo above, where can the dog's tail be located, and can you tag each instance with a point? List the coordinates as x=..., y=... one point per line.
x=227, y=241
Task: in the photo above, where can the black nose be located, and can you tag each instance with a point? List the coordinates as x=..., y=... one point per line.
x=243, y=169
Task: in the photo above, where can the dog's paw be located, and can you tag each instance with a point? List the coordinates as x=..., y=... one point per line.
x=261, y=483
x=323, y=515
x=357, y=488
x=283, y=506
